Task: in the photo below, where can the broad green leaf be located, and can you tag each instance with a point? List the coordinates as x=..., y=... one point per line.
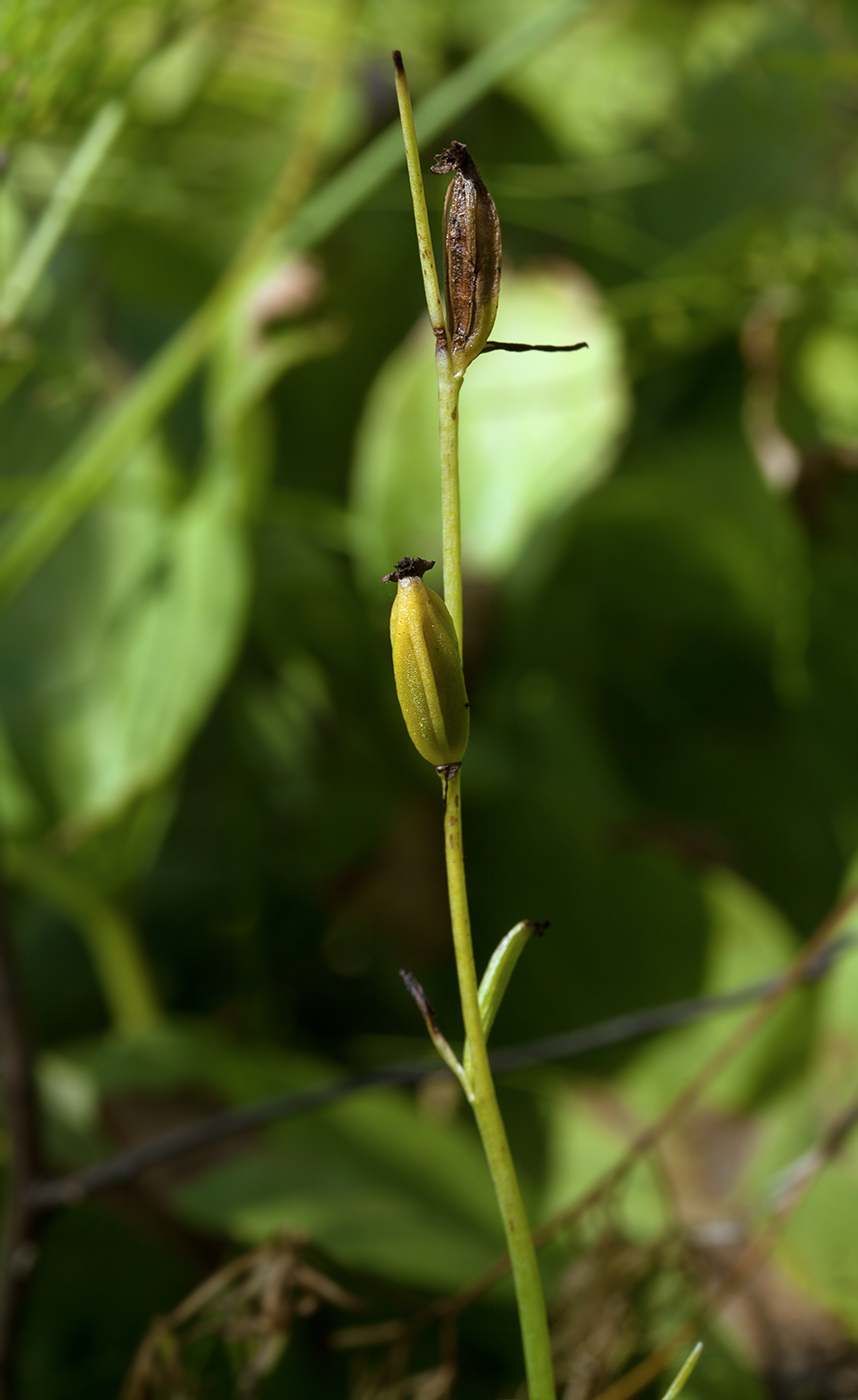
x=603, y=89
x=375, y=1178
x=379, y=1183
x=619, y=78
x=588, y=1132
x=820, y=1245
x=536, y=431
x=112, y=656
x=749, y=942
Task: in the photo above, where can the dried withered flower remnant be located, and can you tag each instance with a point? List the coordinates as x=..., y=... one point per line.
x=472, y=256
x=427, y=667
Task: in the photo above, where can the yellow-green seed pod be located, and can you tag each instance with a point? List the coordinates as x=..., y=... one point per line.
x=472, y=256
x=427, y=667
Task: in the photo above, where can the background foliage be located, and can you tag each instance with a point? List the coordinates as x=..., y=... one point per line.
x=219, y=843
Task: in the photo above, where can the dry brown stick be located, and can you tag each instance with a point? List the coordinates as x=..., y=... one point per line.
x=22, y=1118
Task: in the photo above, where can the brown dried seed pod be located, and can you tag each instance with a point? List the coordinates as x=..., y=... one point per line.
x=472, y=256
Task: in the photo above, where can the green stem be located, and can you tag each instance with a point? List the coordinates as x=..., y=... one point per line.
x=448, y=385
x=525, y=1269
x=89, y=155
x=418, y=199
x=451, y=512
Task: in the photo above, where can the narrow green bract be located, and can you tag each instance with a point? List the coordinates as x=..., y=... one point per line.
x=427, y=667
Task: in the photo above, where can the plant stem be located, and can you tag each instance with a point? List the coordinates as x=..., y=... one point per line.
x=418, y=199
x=448, y=385
x=525, y=1270
x=451, y=513
x=71, y=187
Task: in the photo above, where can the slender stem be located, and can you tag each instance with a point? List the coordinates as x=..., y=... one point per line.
x=451, y=511
x=70, y=189
x=525, y=1270
x=448, y=385
x=418, y=199
x=442, y=1045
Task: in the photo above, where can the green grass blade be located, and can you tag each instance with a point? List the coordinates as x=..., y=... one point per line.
x=684, y=1373
x=70, y=188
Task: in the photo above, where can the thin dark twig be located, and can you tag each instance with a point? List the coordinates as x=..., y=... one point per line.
x=50, y=1195
x=22, y=1117
x=515, y=348
x=104, y=1176
x=660, y=1018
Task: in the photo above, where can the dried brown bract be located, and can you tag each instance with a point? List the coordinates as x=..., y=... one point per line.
x=472, y=256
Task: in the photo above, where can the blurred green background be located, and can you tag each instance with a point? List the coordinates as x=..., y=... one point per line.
x=217, y=432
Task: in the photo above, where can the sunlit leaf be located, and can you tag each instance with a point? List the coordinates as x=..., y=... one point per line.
x=749, y=942
x=537, y=431
x=828, y=371
x=112, y=656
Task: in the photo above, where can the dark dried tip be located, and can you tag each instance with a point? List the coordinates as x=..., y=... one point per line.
x=456, y=157
x=538, y=926
x=427, y=1010
x=397, y=61
x=409, y=568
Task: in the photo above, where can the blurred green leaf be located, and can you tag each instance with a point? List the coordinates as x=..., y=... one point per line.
x=827, y=373
x=585, y=1140
x=113, y=655
x=119, y=959
x=378, y=1179
x=375, y=1181
x=819, y=1249
x=537, y=431
x=749, y=941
